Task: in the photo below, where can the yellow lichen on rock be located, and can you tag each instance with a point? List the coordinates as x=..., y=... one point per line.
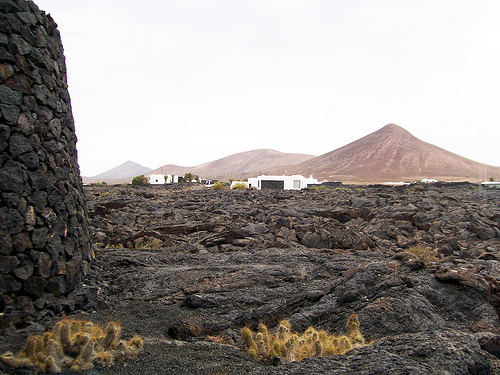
x=75, y=344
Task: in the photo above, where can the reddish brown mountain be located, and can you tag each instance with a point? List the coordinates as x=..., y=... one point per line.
x=238, y=166
x=391, y=154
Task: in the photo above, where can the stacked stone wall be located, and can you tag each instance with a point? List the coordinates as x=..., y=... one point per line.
x=44, y=236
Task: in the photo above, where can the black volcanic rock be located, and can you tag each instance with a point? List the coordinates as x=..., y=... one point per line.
x=44, y=237
x=188, y=268
x=443, y=352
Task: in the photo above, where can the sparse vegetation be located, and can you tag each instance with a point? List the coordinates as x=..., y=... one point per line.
x=189, y=177
x=240, y=186
x=75, y=344
x=424, y=253
x=318, y=187
x=147, y=242
x=106, y=193
x=282, y=342
x=140, y=180
x=219, y=186
x=114, y=246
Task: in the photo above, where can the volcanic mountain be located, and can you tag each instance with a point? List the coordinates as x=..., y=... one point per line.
x=127, y=169
x=118, y=175
x=390, y=154
x=238, y=166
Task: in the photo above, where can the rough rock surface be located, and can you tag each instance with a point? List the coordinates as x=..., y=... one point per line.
x=44, y=236
x=187, y=268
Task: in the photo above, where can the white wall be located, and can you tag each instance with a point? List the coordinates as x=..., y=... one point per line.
x=295, y=182
x=156, y=179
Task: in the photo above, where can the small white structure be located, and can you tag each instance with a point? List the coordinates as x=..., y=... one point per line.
x=428, y=180
x=159, y=179
x=396, y=183
x=156, y=179
x=295, y=182
x=208, y=183
x=171, y=179
x=491, y=184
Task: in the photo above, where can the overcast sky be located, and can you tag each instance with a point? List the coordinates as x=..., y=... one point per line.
x=190, y=81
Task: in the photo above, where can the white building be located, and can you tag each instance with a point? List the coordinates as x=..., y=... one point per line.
x=171, y=179
x=491, y=184
x=295, y=182
x=159, y=179
x=208, y=183
x=156, y=179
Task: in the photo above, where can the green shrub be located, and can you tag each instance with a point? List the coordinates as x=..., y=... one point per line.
x=189, y=177
x=219, y=186
x=240, y=185
x=140, y=180
x=318, y=187
x=291, y=346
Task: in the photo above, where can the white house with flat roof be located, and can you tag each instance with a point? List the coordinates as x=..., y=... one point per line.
x=295, y=182
x=159, y=179
x=171, y=179
x=491, y=184
x=156, y=179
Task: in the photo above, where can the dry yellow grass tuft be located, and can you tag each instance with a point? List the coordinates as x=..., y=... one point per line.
x=75, y=344
x=291, y=346
x=424, y=253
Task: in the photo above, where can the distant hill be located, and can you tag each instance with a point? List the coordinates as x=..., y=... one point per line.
x=390, y=154
x=121, y=174
x=238, y=166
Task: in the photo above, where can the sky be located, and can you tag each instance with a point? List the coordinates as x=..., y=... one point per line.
x=186, y=82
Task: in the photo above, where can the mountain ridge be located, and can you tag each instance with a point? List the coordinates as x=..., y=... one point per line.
x=239, y=165
x=388, y=154
x=129, y=169
x=391, y=153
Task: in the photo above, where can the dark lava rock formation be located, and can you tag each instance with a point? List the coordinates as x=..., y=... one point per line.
x=44, y=235
x=186, y=269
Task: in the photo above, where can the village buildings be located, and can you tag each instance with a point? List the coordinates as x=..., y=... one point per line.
x=294, y=182
x=159, y=179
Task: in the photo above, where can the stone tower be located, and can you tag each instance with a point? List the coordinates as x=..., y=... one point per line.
x=44, y=235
